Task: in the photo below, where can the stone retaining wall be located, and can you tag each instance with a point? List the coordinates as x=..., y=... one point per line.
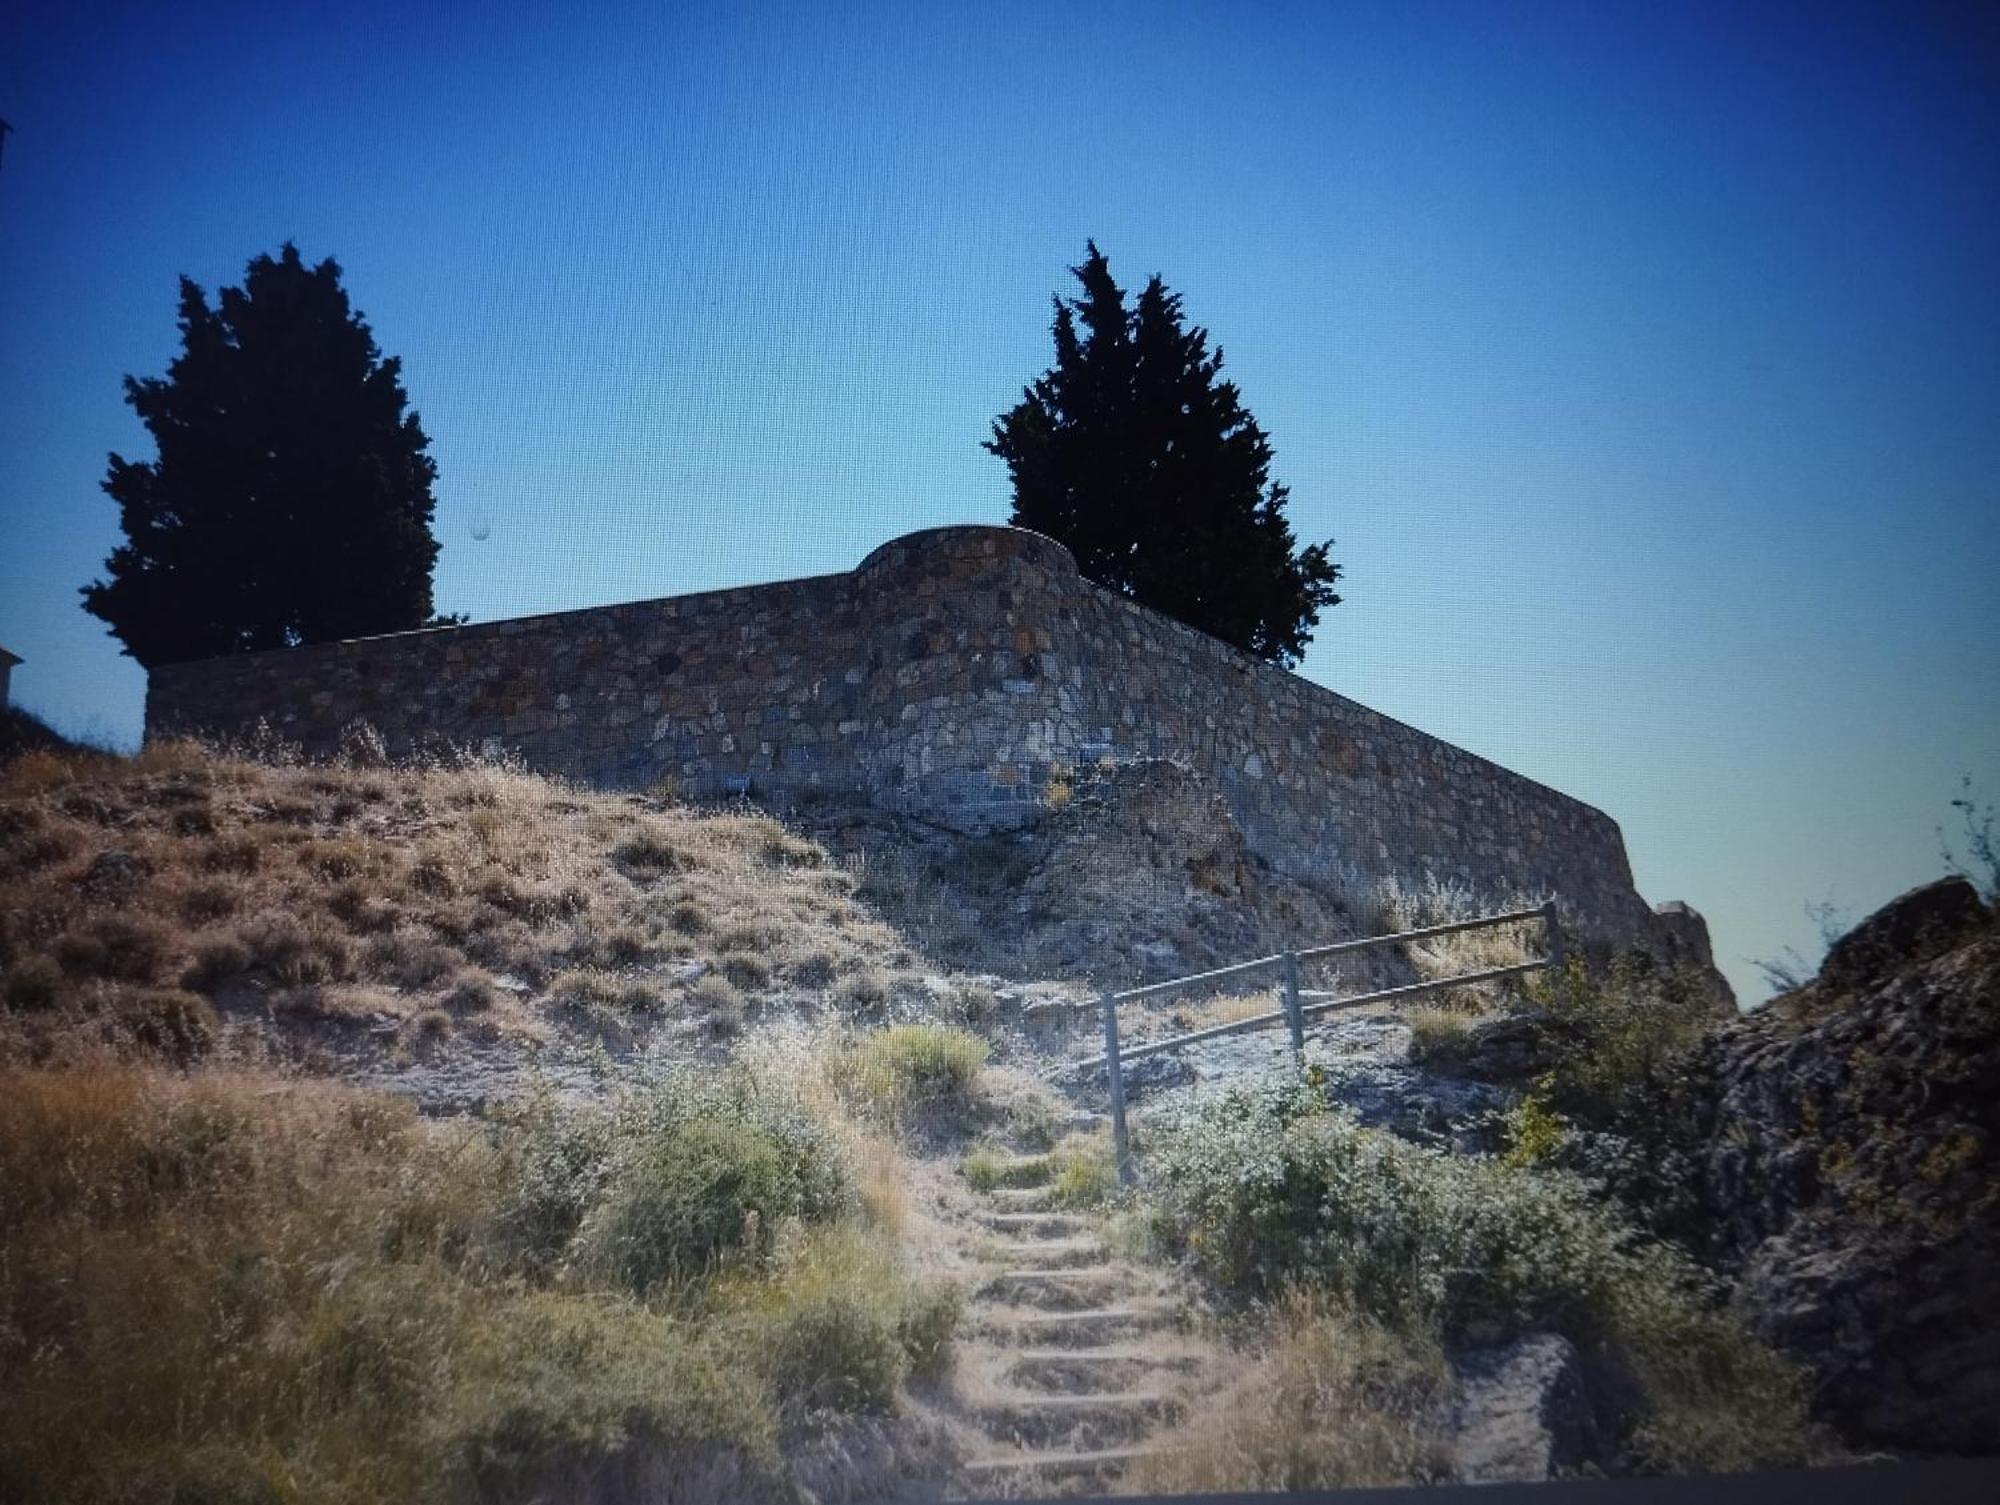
x=954, y=674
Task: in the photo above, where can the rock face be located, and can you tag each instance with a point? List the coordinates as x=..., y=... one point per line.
x=1522, y=1413
x=1680, y=939
x=1142, y=873
x=1851, y=1162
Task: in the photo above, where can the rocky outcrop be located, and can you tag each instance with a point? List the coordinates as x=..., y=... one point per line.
x=1850, y=1161
x=1522, y=1412
x=1680, y=939
x=1135, y=872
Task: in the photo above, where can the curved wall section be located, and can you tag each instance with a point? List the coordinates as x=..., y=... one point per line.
x=951, y=674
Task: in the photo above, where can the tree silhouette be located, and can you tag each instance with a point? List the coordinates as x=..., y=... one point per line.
x=291, y=500
x=1133, y=453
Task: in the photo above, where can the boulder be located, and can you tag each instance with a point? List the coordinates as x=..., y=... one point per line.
x=1921, y=924
x=1522, y=1412
x=1850, y=1172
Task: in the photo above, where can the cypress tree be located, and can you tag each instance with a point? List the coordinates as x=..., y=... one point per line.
x=290, y=501
x=1135, y=453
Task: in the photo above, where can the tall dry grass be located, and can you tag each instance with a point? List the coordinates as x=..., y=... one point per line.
x=230, y=1286
x=309, y=894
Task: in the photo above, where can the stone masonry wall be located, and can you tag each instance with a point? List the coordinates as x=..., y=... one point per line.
x=950, y=675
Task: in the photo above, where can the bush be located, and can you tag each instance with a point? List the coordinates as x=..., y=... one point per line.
x=837, y=1325
x=701, y=1174
x=217, y=959
x=205, y=901
x=409, y=959
x=747, y=970
x=816, y=969
x=566, y=1397
x=928, y=1321
x=1262, y=1187
x=472, y=994
x=1439, y=1036
x=33, y=982
x=117, y=947
x=1085, y=1175
x=1624, y=1038
x=865, y=990
x=915, y=1068
x=835, y=1351
x=178, y=1025
x=987, y=1169
x=647, y=856
x=293, y=953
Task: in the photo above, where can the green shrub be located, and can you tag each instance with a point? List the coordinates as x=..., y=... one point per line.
x=572, y=1399
x=916, y=1068
x=1261, y=1187
x=700, y=1173
x=987, y=1169
x=929, y=1318
x=1623, y=1038
x=837, y=1350
x=835, y=1324
x=178, y=1025
x=1534, y=1131
x=1086, y=1175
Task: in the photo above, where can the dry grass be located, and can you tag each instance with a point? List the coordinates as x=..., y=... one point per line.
x=228, y=1286
x=1414, y=906
x=253, y=883
x=1332, y=1402
x=1204, y=1013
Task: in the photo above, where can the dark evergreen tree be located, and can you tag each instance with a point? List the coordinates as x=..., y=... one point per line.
x=1135, y=454
x=291, y=500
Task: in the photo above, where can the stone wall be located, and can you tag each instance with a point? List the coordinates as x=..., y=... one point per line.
x=953, y=674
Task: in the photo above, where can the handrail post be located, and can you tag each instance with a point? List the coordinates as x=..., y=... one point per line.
x=1115, y=1074
x=1552, y=933
x=1292, y=1015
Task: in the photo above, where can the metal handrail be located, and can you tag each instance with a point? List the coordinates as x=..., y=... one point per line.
x=1296, y=1008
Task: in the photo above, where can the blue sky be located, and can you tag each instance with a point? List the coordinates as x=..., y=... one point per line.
x=1643, y=361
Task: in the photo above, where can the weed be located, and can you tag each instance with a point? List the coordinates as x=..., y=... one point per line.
x=217, y=959
x=1334, y=1401
x=915, y=1068
x=33, y=982
x=117, y=947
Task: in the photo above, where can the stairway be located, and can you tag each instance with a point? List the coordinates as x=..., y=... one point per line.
x=1074, y=1366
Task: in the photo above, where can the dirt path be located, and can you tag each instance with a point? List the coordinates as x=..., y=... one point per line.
x=1073, y=1361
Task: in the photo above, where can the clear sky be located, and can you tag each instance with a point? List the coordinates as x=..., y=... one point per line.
x=1642, y=360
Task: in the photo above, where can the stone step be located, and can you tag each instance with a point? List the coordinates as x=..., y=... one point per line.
x=1089, y=1326
x=1058, y=1290
x=1083, y=1370
x=1023, y=1198
x=1026, y=1468
x=1035, y=1224
x=1077, y=1421
x=1051, y=1254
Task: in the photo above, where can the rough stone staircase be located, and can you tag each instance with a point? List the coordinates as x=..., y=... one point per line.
x=1075, y=1365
